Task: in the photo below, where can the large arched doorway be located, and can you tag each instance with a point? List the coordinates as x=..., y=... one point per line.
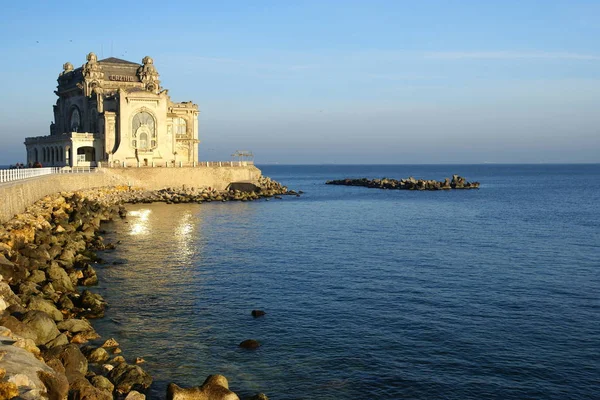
x=86, y=156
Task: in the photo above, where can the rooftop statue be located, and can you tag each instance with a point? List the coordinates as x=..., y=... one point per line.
x=67, y=67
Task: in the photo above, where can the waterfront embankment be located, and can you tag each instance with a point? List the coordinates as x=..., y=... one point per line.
x=49, y=347
x=16, y=196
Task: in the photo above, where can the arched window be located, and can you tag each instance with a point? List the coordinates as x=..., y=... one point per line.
x=180, y=128
x=143, y=141
x=75, y=120
x=143, y=131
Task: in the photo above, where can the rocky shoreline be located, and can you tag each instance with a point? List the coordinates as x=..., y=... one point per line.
x=457, y=182
x=48, y=347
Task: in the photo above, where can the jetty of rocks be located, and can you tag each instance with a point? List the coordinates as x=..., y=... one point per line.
x=48, y=346
x=457, y=182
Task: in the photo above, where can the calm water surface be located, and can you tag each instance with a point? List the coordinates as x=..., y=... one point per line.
x=370, y=294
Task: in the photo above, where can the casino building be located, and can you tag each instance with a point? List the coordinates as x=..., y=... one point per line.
x=114, y=112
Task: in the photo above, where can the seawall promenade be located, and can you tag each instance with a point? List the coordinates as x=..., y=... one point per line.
x=17, y=195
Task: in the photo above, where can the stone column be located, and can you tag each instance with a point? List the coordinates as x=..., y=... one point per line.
x=98, y=151
x=74, y=148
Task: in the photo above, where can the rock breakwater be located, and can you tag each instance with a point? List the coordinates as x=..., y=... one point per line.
x=457, y=182
x=266, y=188
x=48, y=347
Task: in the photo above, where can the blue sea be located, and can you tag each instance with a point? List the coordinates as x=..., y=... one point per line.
x=369, y=294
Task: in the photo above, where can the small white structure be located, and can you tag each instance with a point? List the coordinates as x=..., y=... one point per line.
x=115, y=112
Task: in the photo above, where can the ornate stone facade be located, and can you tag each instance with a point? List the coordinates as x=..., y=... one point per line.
x=115, y=111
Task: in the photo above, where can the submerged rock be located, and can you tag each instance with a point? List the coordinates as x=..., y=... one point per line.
x=259, y=396
x=250, y=344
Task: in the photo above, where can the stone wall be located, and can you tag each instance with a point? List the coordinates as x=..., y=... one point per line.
x=16, y=196
x=158, y=178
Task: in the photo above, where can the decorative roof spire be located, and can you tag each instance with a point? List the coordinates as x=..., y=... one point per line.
x=148, y=75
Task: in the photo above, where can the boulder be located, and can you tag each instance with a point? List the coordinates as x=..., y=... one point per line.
x=94, y=303
x=75, y=275
x=54, y=251
x=23, y=370
x=56, y=365
x=81, y=389
x=89, y=276
x=75, y=325
x=60, y=279
x=38, y=253
x=215, y=387
x=57, y=385
x=60, y=340
x=70, y=357
x=84, y=337
x=110, y=343
x=98, y=355
x=18, y=327
x=135, y=395
x=27, y=290
x=49, y=292
x=8, y=295
x=37, y=276
x=16, y=309
x=129, y=377
x=8, y=390
x=40, y=304
x=27, y=344
x=67, y=257
x=118, y=360
x=11, y=272
x=43, y=326
x=65, y=303
x=243, y=187
x=101, y=382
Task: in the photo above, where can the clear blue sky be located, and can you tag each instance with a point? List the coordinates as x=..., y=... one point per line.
x=333, y=81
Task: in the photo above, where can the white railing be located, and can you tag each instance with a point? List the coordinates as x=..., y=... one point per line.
x=16, y=174
x=178, y=164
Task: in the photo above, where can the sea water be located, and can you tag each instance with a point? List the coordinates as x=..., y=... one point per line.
x=369, y=294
